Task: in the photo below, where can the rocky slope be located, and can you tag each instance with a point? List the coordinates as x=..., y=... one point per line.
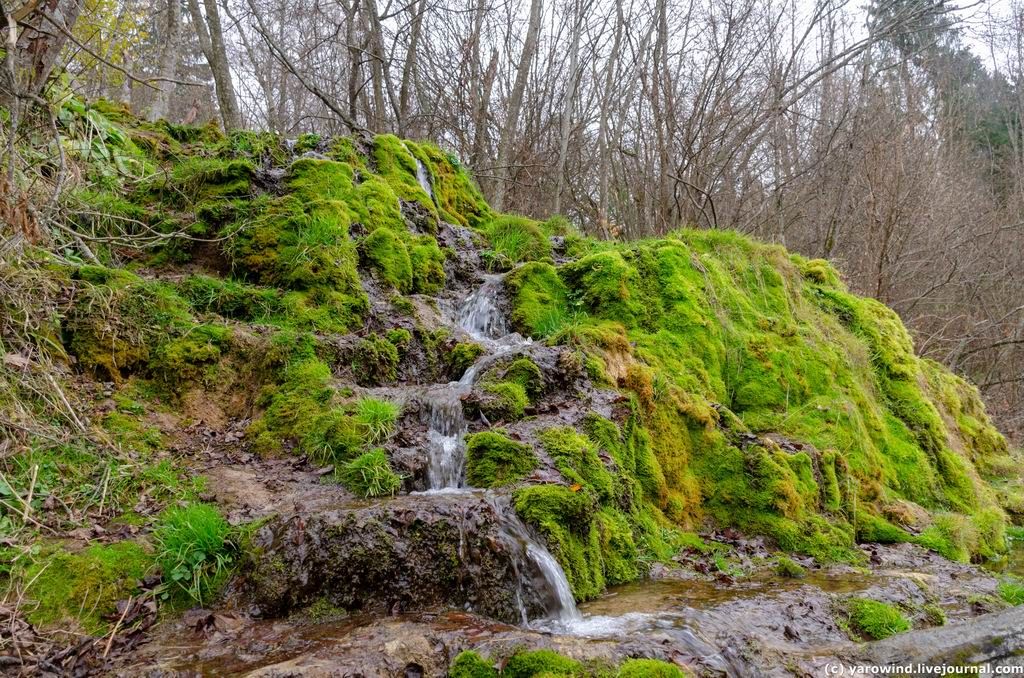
x=404, y=402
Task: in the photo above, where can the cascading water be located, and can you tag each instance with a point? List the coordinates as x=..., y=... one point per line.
x=422, y=175
x=480, y=315
x=446, y=428
x=481, y=318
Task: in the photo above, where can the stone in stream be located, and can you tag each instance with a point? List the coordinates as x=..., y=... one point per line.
x=459, y=550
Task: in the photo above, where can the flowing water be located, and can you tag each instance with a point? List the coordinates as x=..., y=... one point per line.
x=422, y=175
x=480, y=317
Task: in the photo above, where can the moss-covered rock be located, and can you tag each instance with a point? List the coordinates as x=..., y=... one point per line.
x=874, y=619
x=541, y=662
x=493, y=459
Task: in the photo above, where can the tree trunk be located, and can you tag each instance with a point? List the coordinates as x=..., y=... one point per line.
x=567, y=105
x=418, y=9
x=515, y=103
x=604, y=155
x=28, y=65
x=211, y=40
x=168, y=64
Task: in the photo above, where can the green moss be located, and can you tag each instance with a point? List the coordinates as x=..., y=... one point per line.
x=427, y=265
x=463, y=355
x=872, y=528
x=566, y=518
x=119, y=324
x=507, y=401
x=302, y=410
x=185, y=358
x=789, y=568
x=204, y=178
x=493, y=459
x=648, y=668
x=230, y=299
x=370, y=475
x=540, y=303
x=952, y=535
x=375, y=361
x=777, y=344
x=576, y=458
x=384, y=252
x=459, y=200
x=873, y=619
x=525, y=372
x=513, y=240
x=537, y=662
x=307, y=141
x=85, y=586
x=468, y=664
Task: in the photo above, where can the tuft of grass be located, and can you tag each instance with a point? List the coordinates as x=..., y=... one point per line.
x=787, y=567
x=377, y=419
x=468, y=664
x=370, y=475
x=649, y=668
x=196, y=549
x=874, y=619
x=1011, y=590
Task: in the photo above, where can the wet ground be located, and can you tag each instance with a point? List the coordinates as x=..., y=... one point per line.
x=758, y=624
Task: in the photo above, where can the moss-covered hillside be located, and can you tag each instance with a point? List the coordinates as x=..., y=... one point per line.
x=754, y=391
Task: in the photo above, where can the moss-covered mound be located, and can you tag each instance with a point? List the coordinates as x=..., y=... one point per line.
x=740, y=385
x=775, y=400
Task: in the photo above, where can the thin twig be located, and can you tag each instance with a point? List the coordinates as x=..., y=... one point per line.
x=110, y=641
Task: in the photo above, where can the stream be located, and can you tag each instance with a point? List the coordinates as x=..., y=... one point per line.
x=480, y=317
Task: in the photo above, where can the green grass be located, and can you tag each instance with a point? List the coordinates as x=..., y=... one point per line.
x=1011, y=590
x=377, y=419
x=195, y=549
x=874, y=619
x=370, y=475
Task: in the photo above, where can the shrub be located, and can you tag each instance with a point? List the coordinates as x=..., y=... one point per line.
x=370, y=475
x=195, y=550
x=874, y=619
x=377, y=419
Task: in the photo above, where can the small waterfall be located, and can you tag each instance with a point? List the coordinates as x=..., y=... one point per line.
x=446, y=428
x=560, y=605
x=422, y=175
x=554, y=575
x=480, y=315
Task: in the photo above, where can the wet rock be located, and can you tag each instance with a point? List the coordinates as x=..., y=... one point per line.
x=412, y=553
